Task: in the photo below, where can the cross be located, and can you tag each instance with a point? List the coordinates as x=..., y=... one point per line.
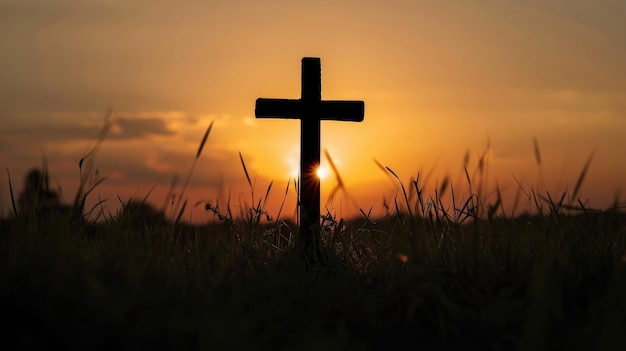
x=310, y=109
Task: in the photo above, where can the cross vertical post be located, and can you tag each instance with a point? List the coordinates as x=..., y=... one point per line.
x=310, y=109
x=310, y=136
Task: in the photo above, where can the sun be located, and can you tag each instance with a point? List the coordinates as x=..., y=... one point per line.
x=322, y=172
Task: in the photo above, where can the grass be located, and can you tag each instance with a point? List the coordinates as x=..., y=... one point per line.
x=425, y=275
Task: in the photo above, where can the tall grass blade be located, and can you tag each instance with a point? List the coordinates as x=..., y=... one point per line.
x=267, y=194
x=180, y=213
x=145, y=198
x=466, y=158
x=581, y=177
x=245, y=169
x=444, y=184
x=193, y=166
x=494, y=208
x=366, y=216
x=384, y=169
x=465, y=209
x=99, y=204
x=204, y=138
x=340, y=184
x=86, y=165
x=229, y=210
x=331, y=162
x=536, y=201
x=170, y=193
x=392, y=172
x=259, y=210
x=280, y=209
x=536, y=149
x=420, y=197
x=521, y=188
x=406, y=197
x=469, y=180
x=12, y=196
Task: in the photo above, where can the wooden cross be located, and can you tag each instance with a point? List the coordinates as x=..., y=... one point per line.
x=310, y=109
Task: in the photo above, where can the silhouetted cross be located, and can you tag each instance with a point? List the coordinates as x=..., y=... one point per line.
x=310, y=109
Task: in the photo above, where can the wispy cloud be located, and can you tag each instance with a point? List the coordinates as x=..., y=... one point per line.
x=127, y=128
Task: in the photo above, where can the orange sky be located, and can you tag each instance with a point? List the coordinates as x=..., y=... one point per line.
x=437, y=77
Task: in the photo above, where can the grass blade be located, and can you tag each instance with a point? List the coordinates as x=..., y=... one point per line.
x=280, y=210
x=384, y=169
x=193, y=166
x=404, y=193
x=392, y=172
x=334, y=169
x=245, y=169
x=180, y=213
x=466, y=158
x=267, y=195
x=581, y=177
x=12, y=195
x=444, y=185
x=204, y=138
x=536, y=149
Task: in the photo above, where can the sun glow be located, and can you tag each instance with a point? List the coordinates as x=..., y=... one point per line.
x=322, y=172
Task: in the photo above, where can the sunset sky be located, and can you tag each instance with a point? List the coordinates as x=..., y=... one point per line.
x=438, y=78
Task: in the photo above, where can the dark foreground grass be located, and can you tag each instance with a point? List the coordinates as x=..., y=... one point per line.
x=545, y=282
x=423, y=277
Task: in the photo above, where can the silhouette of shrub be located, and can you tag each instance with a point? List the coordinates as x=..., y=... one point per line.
x=38, y=204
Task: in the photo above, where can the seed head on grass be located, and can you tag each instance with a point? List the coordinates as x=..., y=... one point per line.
x=204, y=138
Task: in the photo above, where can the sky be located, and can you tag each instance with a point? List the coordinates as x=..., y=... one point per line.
x=441, y=80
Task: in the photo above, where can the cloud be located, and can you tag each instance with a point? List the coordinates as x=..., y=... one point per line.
x=142, y=161
x=42, y=134
x=59, y=130
x=129, y=128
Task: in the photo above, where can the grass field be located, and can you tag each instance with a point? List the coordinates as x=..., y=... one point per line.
x=423, y=276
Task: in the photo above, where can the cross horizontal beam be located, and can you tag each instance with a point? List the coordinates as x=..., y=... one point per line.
x=336, y=110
